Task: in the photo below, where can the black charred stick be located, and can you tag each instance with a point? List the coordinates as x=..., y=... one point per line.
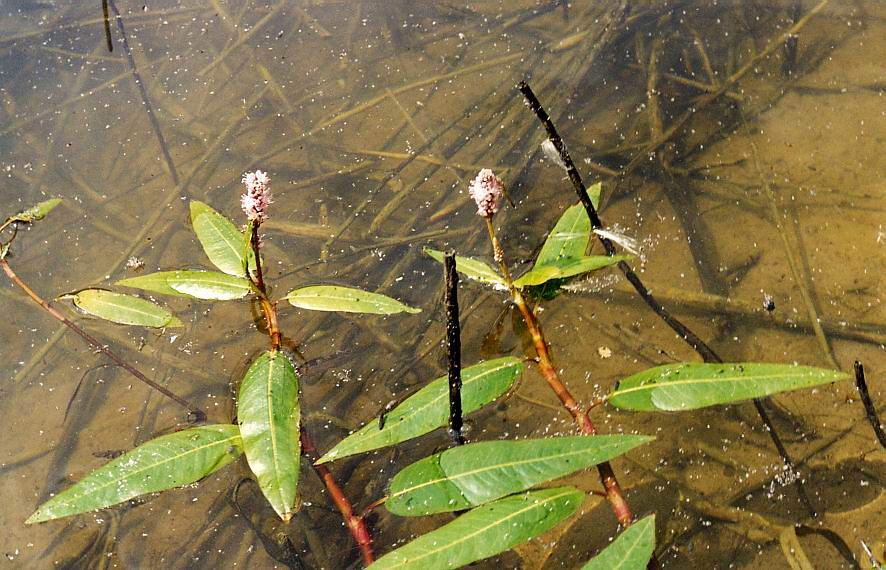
x=869, y=409
x=453, y=346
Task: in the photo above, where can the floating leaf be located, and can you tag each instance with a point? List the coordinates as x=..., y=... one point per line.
x=209, y=285
x=594, y=194
x=123, y=309
x=566, y=267
x=36, y=212
x=224, y=244
x=428, y=409
x=630, y=551
x=470, y=267
x=568, y=239
x=347, y=300
x=471, y=475
x=486, y=531
x=168, y=461
x=268, y=414
x=689, y=386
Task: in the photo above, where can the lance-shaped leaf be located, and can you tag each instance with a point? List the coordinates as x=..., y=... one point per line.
x=268, y=414
x=569, y=239
x=470, y=267
x=166, y=462
x=36, y=212
x=471, y=475
x=486, y=531
x=208, y=285
x=428, y=409
x=566, y=267
x=688, y=386
x=594, y=193
x=224, y=244
x=122, y=309
x=346, y=300
x=630, y=551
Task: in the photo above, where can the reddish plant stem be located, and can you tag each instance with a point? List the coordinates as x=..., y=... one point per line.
x=614, y=494
x=198, y=414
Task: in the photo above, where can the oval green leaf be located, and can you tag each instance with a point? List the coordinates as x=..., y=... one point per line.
x=569, y=239
x=470, y=475
x=567, y=267
x=428, y=409
x=207, y=285
x=268, y=414
x=346, y=300
x=169, y=461
x=36, y=212
x=123, y=309
x=486, y=531
x=470, y=267
x=224, y=244
x=630, y=551
x=689, y=386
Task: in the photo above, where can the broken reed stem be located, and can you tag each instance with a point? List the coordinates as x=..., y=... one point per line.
x=197, y=414
x=707, y=354
x=453, y=346
x=870, y=410
x=614, y=494
x=356, y=525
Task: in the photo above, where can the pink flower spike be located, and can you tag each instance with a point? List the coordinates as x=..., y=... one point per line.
x=487, y=190
x=257, y=198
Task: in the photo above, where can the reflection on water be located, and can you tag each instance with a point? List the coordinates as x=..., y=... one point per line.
x=370, y=117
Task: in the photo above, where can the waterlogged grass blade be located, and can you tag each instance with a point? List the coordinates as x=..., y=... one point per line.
x=428, y=409
x=36, y=212
x=166, y=462
x=123, y=309
x=471, y=475
x=207, y=285
x=567, y=267
x=568, y=239
x=268, y=413
x=486, y=531
x=220, y=238
x=688, y=386
x=630, y=551
x=470, y=267
x=346, y=300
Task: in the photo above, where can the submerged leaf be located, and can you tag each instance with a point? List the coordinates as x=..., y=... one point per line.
x=224, y=244
x=567, y=267
x=168, y=461
x=474, y=474
x=347, y=300
x=486, y=531
x=123, y=309
x=268, y=413
x=428, y=409
x=35, y=212
x=630, y=551
x=207, y=285
x=470, y=267
x=688, y=386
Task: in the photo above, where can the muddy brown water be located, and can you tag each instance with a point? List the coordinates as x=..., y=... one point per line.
x=370, y=118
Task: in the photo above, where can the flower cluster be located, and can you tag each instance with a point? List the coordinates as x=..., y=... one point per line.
x=257, y=198
x=487, y=190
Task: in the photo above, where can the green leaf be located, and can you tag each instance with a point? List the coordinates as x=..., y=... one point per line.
x=486, y=531
x=630, y=551
x=568, y=239
x=36, y=212
x=594, y=194
x=428, y=409
x=471, y=475
x=347, y=300
x=209, y=285
x=688, y=386
x=268, y=414
x=220, y=238
x=122, y=309
x=168, y=461
x=470, y=267
x=567, y=267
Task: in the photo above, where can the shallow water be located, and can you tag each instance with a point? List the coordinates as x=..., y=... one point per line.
x=370, y=118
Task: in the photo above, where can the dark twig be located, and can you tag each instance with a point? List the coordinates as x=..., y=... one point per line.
x=107, y=19
x=197, y=415
x=453, y=346
x=869, y=409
